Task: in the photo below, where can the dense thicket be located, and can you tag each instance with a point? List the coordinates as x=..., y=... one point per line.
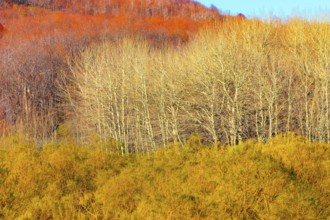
x=238, y=80
x=153, y=126
x=41, y=35
x=288, y=178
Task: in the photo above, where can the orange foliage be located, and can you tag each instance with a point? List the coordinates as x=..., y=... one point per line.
x=77, y=20
x=72, y=23
x=41, y=34
x=24, y=21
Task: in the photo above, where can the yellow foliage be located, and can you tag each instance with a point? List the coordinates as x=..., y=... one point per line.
x=286, y=178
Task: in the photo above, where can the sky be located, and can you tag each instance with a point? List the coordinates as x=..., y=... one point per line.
x=309, y=9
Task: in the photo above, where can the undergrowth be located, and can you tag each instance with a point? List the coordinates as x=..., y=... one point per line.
x=286, y=178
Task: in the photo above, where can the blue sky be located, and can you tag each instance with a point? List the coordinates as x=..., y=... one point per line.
x=275, y=8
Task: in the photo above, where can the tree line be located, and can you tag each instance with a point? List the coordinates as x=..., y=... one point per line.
x=39, y=39
x=162, y=8
x=235, y=81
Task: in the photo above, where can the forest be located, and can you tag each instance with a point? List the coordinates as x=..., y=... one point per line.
x=161, y=109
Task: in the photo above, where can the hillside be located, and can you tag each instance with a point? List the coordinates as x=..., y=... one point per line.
x=156, y=109
x=163, y=8
x=162, y=18
x=40, y=36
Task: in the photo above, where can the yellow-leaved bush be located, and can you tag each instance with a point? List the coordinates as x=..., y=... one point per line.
x=286, y=178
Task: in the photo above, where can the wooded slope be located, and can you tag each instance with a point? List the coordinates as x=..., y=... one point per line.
x=38, y=37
